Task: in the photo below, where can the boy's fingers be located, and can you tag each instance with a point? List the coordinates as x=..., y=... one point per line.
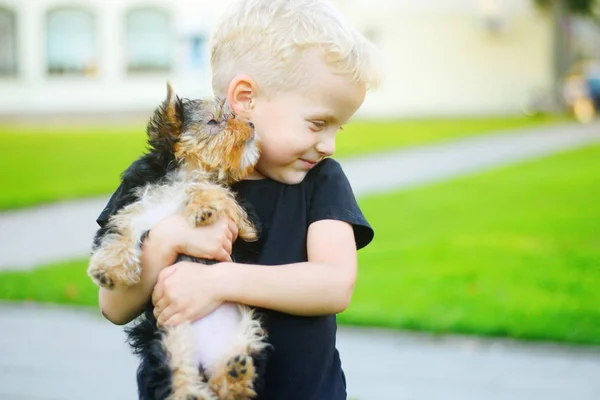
x=224, y=256
x=159, y=289
x=165, y=315
x=233, y=229
x=159, y=306
x=174, y=320
x=157, y=293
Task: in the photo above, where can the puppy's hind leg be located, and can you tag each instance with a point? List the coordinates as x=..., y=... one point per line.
x=235, y=379
x=187, y=382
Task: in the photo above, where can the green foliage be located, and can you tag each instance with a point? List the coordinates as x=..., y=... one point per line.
x=580, y=7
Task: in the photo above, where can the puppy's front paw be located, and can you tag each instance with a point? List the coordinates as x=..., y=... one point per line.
x=248, y=233
x=118, y=275
x=115, y=265
x=101, y=278
x=202, y=215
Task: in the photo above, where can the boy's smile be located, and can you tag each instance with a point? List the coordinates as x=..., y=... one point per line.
x=298, y=128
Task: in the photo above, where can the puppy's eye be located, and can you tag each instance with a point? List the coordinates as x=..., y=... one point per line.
x=212, y=122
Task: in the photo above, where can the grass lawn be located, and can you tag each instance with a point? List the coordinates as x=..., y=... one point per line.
x=511, y=252
x=49, y=163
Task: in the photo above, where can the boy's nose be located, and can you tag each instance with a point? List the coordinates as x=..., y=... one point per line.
x=326, y=147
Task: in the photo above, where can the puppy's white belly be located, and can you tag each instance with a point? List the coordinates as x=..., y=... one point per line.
x=215, y=335
x=165, y=203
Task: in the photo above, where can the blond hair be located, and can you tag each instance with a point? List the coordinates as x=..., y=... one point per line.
x=267, y=39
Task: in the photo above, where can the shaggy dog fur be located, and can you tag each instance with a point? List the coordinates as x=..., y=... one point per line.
x=197, y=148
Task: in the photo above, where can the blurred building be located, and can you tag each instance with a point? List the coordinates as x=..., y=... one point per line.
x=441, y=57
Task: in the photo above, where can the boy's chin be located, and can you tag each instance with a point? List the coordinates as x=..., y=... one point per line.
x=289, y=176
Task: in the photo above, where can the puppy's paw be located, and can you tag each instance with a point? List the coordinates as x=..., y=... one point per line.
x=101, y=278
x=113, y=277
x=236, y=380
x=202, y=215
x=248, y=233
x=115, y=265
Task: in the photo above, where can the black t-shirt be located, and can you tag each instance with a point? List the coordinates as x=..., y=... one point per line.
x=304, y=363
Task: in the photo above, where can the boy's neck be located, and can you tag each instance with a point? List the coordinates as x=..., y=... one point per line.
x=254, y=176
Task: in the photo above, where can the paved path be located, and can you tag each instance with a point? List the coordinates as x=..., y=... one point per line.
x=65, y=230
x=72, y=354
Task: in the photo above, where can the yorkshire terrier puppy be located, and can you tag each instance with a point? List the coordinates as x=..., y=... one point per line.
x=197, y=148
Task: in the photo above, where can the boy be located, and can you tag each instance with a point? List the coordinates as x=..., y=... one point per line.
x=298, y=72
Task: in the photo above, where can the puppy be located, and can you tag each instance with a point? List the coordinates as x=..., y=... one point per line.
x=197, y=148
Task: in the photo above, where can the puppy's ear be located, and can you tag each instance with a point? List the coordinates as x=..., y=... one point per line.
x=164, y=127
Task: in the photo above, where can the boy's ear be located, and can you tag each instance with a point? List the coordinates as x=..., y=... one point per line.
x=165, y=124
x=240, y=95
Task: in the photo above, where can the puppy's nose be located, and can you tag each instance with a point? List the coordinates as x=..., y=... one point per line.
x=251, y=125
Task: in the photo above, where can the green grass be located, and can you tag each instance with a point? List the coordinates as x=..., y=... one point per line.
x=62, y=283
x=50, y=163
x=40, y=166
x=514, y=252
x=511, y=252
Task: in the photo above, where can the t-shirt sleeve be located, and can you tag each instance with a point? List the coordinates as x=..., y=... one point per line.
x=332, y=198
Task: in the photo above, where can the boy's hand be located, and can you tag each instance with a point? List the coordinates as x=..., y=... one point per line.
x=213, y=241
x=185, y=291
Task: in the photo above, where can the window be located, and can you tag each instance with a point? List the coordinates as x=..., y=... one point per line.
x=149, y=40
x=8, y=47
x=196, y=57
x=70, y=42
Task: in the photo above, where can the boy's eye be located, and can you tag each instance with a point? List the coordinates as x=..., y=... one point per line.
x=212, y=122
x=318, y=124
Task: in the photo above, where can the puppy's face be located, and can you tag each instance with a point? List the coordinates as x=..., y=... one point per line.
x=212, y=139
x=209, y=137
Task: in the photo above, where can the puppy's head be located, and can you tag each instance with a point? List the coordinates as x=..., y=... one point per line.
x=205, y=134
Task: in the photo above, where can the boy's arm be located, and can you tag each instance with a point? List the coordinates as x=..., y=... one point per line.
x=321, y=286
x=170, y=237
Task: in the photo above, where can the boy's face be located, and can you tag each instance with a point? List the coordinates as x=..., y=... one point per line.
x=298, y=128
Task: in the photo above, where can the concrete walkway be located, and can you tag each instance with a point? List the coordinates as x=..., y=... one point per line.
x=64, y=231
x=51, y=353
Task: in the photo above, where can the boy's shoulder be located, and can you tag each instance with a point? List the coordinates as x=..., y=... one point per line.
x=331, y=197
x=327, y=169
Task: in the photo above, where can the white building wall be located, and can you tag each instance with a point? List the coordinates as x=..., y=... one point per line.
x=112, y=88
x=438, y=59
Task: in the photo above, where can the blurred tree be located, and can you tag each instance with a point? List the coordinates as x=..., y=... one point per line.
x=560, y=11
x=579, y=7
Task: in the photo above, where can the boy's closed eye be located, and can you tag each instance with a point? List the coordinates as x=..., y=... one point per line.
x=320, y=125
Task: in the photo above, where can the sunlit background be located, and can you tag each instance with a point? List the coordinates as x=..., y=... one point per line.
x=459, y=57
x=477, y=162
